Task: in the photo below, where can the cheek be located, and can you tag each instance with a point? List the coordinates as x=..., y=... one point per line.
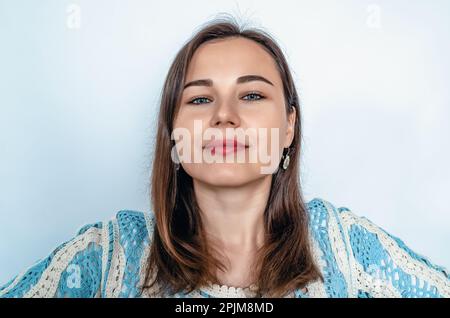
x=191, y=128
x=183, y=120
x=268, y=114
x=271, y=128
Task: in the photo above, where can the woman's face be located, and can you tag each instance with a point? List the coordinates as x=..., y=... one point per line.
x=228, y=100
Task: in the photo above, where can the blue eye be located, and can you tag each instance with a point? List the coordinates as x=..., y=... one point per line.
x=255, y=96
x=195, y=100
x=204, y=100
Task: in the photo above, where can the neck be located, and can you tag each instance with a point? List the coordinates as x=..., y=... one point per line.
x=233, y=217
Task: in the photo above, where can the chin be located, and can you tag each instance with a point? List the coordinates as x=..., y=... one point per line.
x=223, y=174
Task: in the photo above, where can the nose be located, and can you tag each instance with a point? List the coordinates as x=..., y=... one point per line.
x=225, y=115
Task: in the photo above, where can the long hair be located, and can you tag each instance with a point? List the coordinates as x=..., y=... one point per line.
x=180, y=259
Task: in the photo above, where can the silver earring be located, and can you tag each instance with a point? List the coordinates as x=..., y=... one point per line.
x=286, y=160
x=177, y=166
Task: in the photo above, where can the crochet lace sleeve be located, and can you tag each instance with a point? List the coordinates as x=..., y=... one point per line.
x=384, y=266
x=72, y=269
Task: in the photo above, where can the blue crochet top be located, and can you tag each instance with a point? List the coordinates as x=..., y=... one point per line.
x=356, y=257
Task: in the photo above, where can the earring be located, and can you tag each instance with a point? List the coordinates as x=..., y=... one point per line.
x=286, y=160
x=175, y=158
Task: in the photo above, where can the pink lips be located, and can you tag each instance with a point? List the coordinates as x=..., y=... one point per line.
x=224, y=146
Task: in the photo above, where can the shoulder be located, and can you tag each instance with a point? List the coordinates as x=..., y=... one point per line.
x=124, y=241
x=321, y=209
x=65, y=271
x=128, y=234
x=134, y=225
x=131, y=231
x=381, y=264
x=324, y=216
x=100, y=259
x=329, y=247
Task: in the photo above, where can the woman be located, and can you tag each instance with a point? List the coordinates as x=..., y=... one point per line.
x=227, y=228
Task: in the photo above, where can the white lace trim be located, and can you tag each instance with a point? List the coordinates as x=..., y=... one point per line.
x=19, y=278
x=316, y=289
x=357, y=278
x=49, y=281
x=156, y=290
x=361, y=280
x=105, y=246
x=338, y=246
x=399, y=256
x=149, y=225
x=114, y=279
x=376, y=287
x=354, y=285
x=217, y=290
x=143, y=262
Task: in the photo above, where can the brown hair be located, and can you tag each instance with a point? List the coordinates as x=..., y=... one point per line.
x=179, y=253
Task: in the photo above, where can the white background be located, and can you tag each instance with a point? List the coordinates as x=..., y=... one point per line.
x=79, y=91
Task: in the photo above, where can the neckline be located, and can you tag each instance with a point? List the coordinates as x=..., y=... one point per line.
x=244, y=290
x=232, y=288
x=229, y=290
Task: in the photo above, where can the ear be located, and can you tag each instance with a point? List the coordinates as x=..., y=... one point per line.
x=291, y=127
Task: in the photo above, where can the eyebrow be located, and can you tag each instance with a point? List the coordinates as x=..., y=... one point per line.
x=243, y=79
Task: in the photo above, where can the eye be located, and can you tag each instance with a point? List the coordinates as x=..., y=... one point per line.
x=253, y=96
x=198, y=100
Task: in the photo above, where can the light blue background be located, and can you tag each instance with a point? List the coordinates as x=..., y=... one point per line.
x=78, y=109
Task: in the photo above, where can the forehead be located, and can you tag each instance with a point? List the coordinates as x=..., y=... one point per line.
x=231, y=58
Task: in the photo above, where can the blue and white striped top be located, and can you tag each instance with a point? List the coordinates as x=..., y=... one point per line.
x=356, y=257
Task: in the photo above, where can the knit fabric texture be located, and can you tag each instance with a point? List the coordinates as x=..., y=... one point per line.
x=356, y=257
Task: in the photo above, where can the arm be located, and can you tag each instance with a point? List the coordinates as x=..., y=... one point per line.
x=384, y=266
x=73, y=269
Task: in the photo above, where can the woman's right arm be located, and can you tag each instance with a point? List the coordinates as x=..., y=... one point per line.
x=73, y=269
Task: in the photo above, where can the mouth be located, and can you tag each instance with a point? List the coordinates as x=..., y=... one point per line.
x=225, y=146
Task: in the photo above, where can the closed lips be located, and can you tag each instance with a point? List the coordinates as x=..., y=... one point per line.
x=225, y=143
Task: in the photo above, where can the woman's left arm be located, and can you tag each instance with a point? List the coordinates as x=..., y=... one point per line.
x=382, y=265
